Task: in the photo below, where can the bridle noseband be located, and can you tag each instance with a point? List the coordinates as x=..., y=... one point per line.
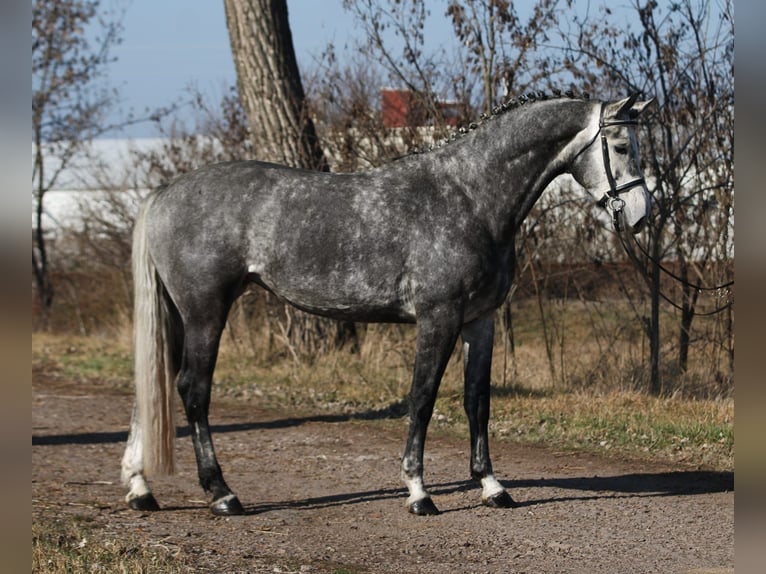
x=611, y=198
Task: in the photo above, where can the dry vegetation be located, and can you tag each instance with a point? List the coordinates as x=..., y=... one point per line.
x=602, y=408
x=68, y=545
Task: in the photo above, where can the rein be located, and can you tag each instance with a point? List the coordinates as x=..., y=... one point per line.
x=699, y=288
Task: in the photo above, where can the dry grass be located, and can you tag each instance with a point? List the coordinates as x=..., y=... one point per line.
x=70, y=545
x=527, y=406
x=622, y=424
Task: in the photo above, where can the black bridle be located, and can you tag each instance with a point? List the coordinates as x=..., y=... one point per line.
x=611, y=198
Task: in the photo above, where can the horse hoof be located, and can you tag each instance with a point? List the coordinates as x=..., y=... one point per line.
x=227, y=506
x=423, y=507
x=500, y=500
x=145, y=502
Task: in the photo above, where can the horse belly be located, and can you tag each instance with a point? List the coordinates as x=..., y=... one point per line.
x=339, y=295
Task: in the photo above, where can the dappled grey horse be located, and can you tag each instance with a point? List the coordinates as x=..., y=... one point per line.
x=426, y=239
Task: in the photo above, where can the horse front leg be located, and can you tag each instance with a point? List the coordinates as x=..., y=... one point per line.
x=194, y=385
x=478, y=340
x=437, y=333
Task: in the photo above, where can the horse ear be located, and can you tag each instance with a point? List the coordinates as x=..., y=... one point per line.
x=638, y=107
x=629, y=106
x=620, y=108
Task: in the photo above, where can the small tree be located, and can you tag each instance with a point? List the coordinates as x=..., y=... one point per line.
x=69, y=103
x=501, y=50
x=684, y=57
x=496, y=49
x=412, y=69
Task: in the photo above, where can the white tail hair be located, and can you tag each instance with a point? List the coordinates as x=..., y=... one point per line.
x=155, y=371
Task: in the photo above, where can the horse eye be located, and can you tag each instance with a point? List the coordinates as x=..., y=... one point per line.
x=621, y=149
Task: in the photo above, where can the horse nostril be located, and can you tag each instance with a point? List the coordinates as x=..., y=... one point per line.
x=639, y=225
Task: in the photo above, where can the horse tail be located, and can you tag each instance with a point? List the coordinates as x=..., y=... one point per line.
x=155, y=336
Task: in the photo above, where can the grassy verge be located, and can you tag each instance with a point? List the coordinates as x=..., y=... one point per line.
x=620, y=423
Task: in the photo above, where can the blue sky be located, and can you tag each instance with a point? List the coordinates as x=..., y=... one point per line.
x=171, y=44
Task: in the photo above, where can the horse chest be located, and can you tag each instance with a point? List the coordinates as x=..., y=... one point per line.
x=479, y=274
x=488, y=294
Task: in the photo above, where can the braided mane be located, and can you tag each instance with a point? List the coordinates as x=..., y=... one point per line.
x=510, y=104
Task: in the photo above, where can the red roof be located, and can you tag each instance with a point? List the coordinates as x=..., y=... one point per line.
x=400, y=108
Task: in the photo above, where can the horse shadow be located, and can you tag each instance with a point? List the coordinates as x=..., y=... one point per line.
x=393, y=411
x=632, y=485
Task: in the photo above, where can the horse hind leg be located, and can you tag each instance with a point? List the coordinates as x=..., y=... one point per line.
x=139, y=496
x=158, y=341
x=478, y=339
x=202, y=333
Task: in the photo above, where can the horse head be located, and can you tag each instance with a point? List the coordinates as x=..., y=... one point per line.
x=609, y=167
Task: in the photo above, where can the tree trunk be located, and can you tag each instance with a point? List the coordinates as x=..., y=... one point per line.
x=269, y=84
x=653, y=321
x=272, y=96
x=654, y=325
x=44, y=288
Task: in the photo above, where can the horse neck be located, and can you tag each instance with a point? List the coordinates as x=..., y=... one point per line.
x=505, y=167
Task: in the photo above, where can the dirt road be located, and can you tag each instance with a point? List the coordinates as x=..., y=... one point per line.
x=323, y=495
